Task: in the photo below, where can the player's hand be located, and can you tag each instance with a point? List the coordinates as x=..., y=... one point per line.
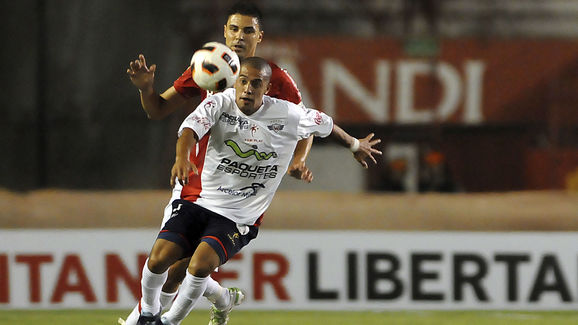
x=300, y=171
x=181, y=170
x=366, y=150
x=140, y=74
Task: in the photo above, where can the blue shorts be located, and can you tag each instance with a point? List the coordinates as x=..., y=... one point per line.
x=191, y=224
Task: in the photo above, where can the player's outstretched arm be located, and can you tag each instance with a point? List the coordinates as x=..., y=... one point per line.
x=361, y=148
x=297, y=168
x=155, y=106
x=183, y=166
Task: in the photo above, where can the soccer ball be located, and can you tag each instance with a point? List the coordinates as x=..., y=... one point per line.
x=215, y=67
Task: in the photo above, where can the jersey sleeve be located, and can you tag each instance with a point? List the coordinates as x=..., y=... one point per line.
x=186, y=86
x=314, y=122
x=203, y=117
x=283, y=86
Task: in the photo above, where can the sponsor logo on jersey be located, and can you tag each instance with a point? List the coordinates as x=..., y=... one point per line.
x=176, y=210
x=210, y=103
x=233, y=237
x=254, y=129
x=318, y=118
x=250, y=153
x=253, y=140
x=247, y=171
x=246, y=191
x=234, y=120
x=202, y=121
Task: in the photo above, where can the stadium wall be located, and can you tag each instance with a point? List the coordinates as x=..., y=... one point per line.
x=349, y=251
x=310, y=270
x=511, y=211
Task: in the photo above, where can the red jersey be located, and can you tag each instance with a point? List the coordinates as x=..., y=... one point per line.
x=282, y=85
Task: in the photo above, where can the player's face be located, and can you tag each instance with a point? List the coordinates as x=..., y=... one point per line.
x=250, y=87
x=242, y=34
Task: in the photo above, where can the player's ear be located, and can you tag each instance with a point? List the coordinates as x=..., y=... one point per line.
x=225, y=31
x=268, y=87
x=260, y=36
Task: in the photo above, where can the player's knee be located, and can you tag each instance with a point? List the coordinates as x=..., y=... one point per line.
x=154, y=264
x=158, y=263
x=163, y=254
x=201, y=268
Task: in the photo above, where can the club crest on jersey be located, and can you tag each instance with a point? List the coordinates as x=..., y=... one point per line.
x=276, y=127
x=250, y=153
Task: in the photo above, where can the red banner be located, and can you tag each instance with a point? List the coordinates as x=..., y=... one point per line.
x=467, y=82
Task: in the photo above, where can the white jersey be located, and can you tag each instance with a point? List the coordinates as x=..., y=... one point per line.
x=241, y=159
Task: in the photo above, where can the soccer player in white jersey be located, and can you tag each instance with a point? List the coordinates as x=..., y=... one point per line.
x=244, y=141
x=243, y=32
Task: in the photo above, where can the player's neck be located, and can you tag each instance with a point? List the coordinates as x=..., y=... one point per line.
x=249, y=54
x=249, y=111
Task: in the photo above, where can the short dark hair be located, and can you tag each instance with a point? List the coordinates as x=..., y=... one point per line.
x=259, y=64
x=247, y=8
